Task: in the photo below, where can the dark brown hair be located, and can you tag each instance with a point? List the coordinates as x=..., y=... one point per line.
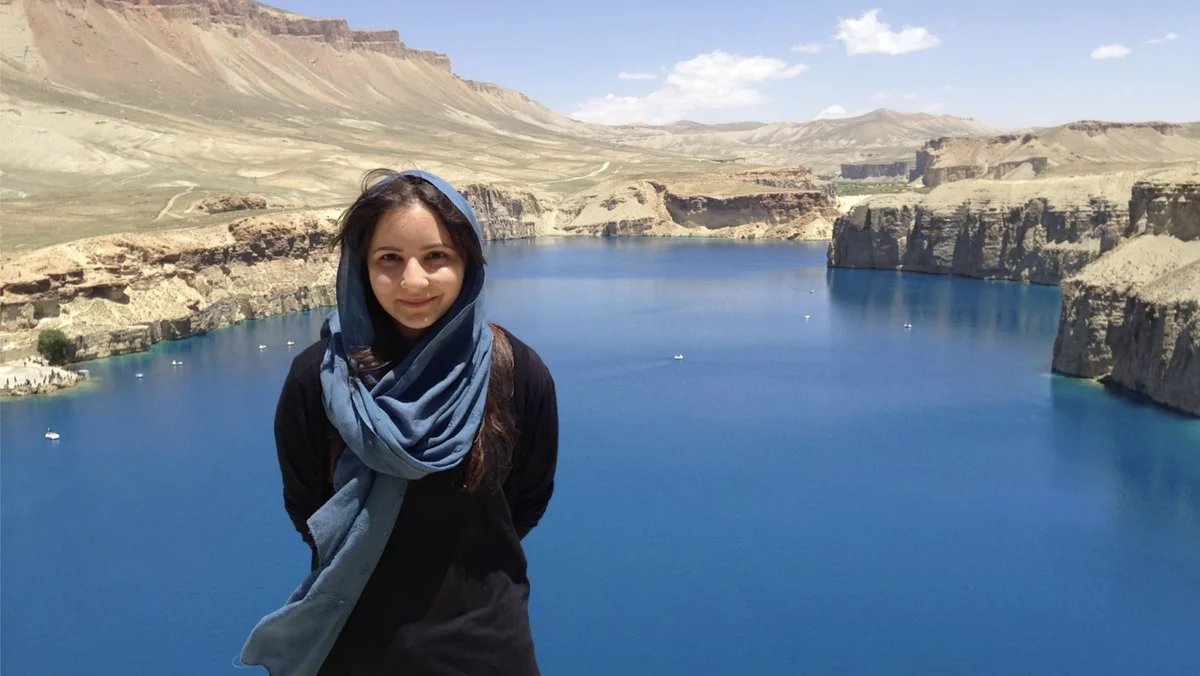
x=382, y=191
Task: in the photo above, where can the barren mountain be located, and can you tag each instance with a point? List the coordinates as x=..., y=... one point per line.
x=117, y=115
x=875, y=137
x=132, y=115
x=1085, y=147
x=145, y=115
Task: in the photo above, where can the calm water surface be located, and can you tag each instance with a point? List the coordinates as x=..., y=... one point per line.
x=830, y=495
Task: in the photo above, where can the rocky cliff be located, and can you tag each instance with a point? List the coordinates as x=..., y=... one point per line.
x=947, y=159
x=510, y=213
x=1132, y=318
x=1166, y=209
x=866, y=170
x=1071, y=149
x=239, y=16
x=987, y=234
x=118, y=294
x=771, y=205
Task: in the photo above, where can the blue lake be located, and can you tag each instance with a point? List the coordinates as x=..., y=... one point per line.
x=797, y=496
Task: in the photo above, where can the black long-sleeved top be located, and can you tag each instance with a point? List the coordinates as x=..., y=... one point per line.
x=450, y=593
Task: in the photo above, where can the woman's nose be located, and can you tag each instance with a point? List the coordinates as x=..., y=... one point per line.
x=414, y=274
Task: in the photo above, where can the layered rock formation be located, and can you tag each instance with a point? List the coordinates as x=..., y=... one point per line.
x=867, y=170
x=1076, y=148
x=241, y=15
x=797, y=178
x=510, y=213
x=118, y=294
x=1132, y=318
x=944, y=160
x=987, y=233
x=753, y=207
x=1166, y=209
x=220, y=204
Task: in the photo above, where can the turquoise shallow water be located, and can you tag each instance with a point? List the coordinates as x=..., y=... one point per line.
x=830, y=495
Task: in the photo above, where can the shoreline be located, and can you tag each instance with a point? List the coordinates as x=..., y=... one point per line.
x=34, y=376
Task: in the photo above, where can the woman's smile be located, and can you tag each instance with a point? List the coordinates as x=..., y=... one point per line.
x=416, y=304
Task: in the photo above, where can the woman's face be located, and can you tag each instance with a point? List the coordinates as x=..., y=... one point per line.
x=415, y=272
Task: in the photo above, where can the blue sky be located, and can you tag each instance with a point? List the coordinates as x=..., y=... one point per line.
x=1008, y=64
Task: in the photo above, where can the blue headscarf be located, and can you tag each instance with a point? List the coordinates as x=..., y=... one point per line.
x=419, y=418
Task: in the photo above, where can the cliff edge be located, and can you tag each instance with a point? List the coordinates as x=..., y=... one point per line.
x=1032, y=231
x=1083, y=147
x=1132, y=317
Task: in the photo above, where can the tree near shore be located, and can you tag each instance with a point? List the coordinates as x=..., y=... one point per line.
x=54, y=346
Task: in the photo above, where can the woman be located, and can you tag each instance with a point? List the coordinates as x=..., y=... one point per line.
x=411, y=398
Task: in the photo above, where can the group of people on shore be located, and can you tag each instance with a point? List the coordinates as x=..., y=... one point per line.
x=34, y=375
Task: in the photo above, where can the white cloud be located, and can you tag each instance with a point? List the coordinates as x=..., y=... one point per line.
x=1110, y=52
x=832, y=113
x=637, y=76
x=932, y=107
x=947, y=88
x=910, y=96
x=867, y=35
x=712, y=81
x=882, y=95
x=807, y=47
x=1166, y=38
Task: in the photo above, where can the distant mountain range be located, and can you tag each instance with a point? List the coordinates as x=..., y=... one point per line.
x=878, y=136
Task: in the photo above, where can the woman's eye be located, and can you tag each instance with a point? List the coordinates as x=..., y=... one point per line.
x=436, y=255
x=389, y=257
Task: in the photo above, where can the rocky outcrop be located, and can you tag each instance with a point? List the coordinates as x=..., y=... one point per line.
x=948, y=159
x=745, y=208
x=34, y=375
x=934, y=176
x=1038, y=240
x=240, y=16
x=782, y=215
x=1100, y=128
x=1166, y=209
x=1083, y=147
x=122, y=293
x=220, y=204
x=867, y=170
x=506, y=213
x=1132, y=318
x=797, y=178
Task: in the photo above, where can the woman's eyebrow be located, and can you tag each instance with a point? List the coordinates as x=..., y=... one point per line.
x=427, y=247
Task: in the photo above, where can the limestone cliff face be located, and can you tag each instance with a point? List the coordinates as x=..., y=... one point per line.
x=865, y=170
x=792, y=179
x=1036, y=241
x=241, y=16
x=1087, y=146
x=506, y=213
x=119, y=294
x=783, y=215
x=1132, y=318
x=1166, y=209
x=946, y=160
x=746, y=205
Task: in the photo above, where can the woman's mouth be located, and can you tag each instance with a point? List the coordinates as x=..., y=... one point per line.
x=414, y=304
